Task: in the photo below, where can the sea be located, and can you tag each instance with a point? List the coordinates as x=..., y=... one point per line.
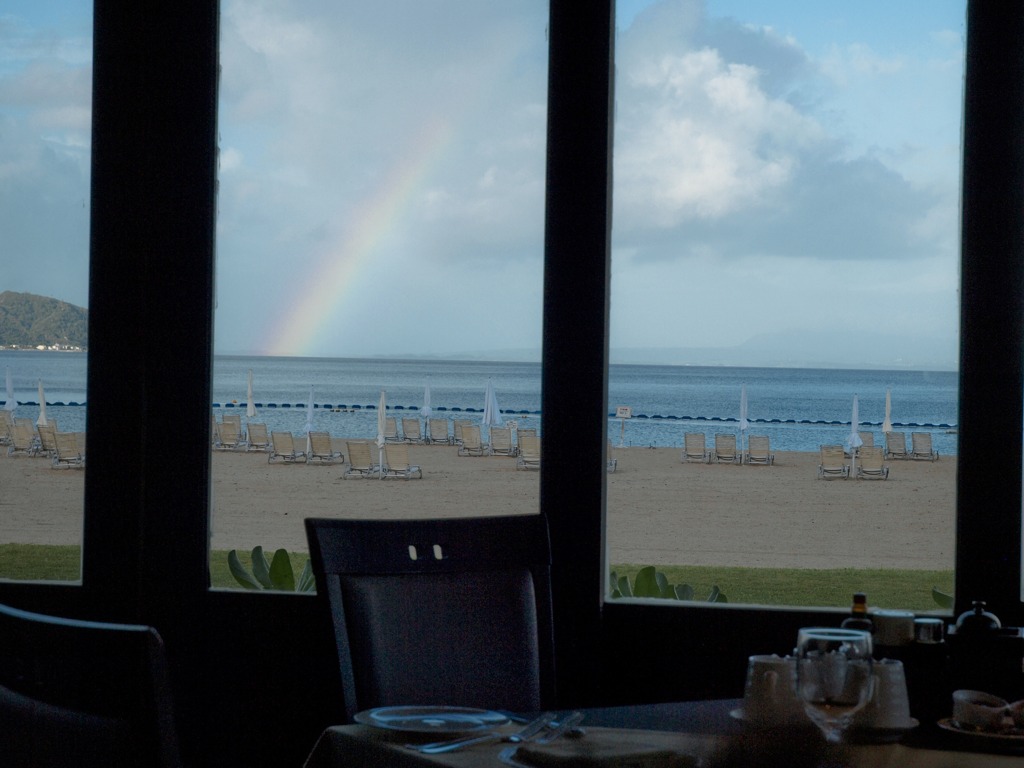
x=798, y=408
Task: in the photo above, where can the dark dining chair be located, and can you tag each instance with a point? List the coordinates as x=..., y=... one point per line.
x=452, y=611
x=83, y=694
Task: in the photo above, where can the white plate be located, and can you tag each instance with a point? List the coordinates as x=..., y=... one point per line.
x=1012, y=742
x=431, y=719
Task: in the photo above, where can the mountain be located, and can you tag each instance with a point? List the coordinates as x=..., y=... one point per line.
x=28, y=321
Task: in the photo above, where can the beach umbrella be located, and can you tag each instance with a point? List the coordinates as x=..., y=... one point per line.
x=492, y=413
x=11, y=403
x=887, y=423
x=427, y=412
x=309, y=420
x=382, y=415
x=854, y=440
x=41, y=421
x=743, y=415
x=250, y=404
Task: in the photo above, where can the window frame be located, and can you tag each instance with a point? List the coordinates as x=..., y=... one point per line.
x=145, y=554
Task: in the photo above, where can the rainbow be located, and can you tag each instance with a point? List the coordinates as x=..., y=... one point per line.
x=334, y=272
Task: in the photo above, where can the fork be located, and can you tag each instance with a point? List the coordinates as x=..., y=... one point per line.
x=525, y=733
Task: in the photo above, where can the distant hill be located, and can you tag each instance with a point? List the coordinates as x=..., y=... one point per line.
x=28, y=321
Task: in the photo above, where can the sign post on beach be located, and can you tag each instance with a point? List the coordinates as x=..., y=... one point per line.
x=623, y=412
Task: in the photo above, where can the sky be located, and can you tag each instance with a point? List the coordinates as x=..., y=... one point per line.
x=786, y=177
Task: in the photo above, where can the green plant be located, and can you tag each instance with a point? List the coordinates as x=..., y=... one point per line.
x=650, y=582
x=944, y=599
x=275, y=574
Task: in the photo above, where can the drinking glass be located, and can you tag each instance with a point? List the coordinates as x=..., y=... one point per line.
x=833, y=676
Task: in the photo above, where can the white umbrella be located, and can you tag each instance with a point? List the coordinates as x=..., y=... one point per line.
x=309, y=420
x=11, y=403
x=42, y=406
x=492, y=413
x=250, y=405
x=854, y=440
x=427, y=412
x=743, y=415
x=382, y=415
x=887, y=423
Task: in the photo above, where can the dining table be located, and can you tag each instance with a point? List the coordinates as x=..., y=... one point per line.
x=701, y=734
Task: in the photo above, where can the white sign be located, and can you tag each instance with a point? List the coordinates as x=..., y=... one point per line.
x=623, y=412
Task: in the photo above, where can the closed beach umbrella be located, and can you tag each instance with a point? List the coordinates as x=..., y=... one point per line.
x=887, y=423
x=11, y=403
x=743, y=414
x=250, y=404
x=41, y=421
x=382, y=415
x=492, y=413
x=854, y=440
x=309, y=420
x=427, y=412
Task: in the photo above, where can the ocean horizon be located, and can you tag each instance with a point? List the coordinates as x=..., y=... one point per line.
x=798, y=408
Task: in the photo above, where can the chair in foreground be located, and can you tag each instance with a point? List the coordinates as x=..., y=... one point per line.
x=321, y=449
x=472, y=444
x=284, y=450
x=396, y=462
x=438, y=612
x=81, y=694
x=759, y=450
x=529, y=452
x=360, y=460
x=725, y=449
x=833, y=462
x=501, y=441
x=694, y=448
x=66, y=452
x=871, y=463
x=921, y=446
x=411, y=430
x=437, y=432
x=896, y=445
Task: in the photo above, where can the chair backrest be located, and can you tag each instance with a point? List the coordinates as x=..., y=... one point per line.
x=258, y=437
x=320, y=444
x=832, y=456
x=867, y=438
x=22, y=436
x=390, y=427
x=920, y=442
x=501, y=440
x=284, y=443
x=693, y=443
x=83, y=694
x=758, y=446
x=47, y=436
x=66, y=450
x=396, y=456
x=438, y=430
x=725, y=446
x=410, y=428
x=471, y=437
x=452, y=611
x=871, y=458
x=529, y=449
x=359, y=455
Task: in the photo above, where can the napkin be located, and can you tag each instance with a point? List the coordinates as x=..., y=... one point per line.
x=594, y=751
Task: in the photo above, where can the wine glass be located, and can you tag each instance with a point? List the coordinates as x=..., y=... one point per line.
x=833, y=676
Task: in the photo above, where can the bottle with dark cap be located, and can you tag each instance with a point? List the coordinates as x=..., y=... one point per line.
x=859, y=618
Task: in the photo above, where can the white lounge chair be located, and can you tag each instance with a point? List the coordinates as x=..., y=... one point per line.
x=871, y=463
x=759, y=450
x=921, y=446
x=695, y=448
x=396, y=462
x=283, y=449
x=833, y=462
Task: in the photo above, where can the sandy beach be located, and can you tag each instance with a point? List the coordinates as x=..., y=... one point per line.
x=660, y=511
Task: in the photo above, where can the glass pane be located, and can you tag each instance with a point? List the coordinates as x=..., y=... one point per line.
x=45, y=107
x=380, y=230
x=785, y=237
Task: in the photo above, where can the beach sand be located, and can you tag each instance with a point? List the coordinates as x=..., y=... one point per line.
x=660, y=511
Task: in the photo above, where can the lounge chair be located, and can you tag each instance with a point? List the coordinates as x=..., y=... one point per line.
x=725, y=449
x=529, y=452
x=233, y=418
x=361, y=460
x=694, y=448
x=396, y=461
x=759, y=450
x=283, y=449
x=867, y=438
x=66, y=452
x=921, y=446
x=611, y=463
x=6, y=423
x=472, y=444
x=258, y=440
x=321, y=449
x=457, y=426
x=391, y=430
x=501, y=441
x=833, y=462
x=23, y=439
x=437, y=432
x=47, y=440
x=229, y=436
x=871, y=463
x=896, y=445
x=411, y=431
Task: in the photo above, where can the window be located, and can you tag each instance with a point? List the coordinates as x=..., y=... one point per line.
x=45, y=74
x=785, y=250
